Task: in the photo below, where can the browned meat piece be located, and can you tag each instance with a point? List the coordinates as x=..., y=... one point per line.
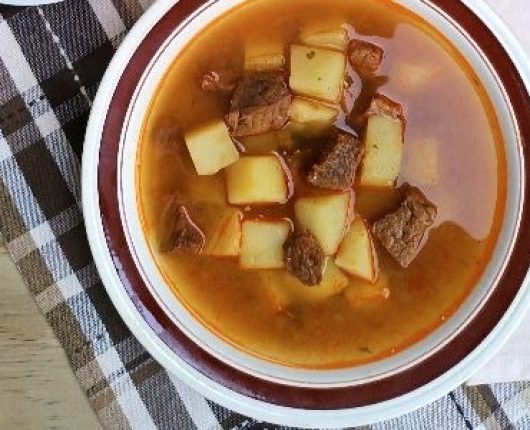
x=336, y=169
x=304, y=257
x=365, y=57
x=402, y=231
x=382, y=105
x=379, y=105
x=260, y=103
x=221, y=82
x=178, y=231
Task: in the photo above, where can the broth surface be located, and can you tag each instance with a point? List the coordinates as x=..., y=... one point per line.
x=452, y=108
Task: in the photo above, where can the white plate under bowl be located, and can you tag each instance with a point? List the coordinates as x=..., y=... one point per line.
x=136, y=242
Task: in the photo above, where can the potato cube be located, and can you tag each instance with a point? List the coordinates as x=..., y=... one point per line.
x=325, y=38
x=211, y=147
x=262, y=244
x=362, y=292
x=256, y=180
x=326, y=217
x=356, y=253
x=332, y=284
x=305, y=111
x=225, y=239
x=283, y=289
x=383, y=151
x=317, y=72
x=309, y=118
x=264, y=55
x=421, y=163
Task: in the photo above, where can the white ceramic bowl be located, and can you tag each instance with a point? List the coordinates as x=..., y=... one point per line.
x=255, y=387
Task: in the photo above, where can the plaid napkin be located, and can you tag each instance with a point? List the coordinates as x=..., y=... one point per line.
x=51, y=61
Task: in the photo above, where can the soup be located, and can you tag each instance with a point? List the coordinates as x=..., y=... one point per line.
x=321, y=187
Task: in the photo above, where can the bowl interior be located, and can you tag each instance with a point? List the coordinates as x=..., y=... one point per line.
x=129, y=211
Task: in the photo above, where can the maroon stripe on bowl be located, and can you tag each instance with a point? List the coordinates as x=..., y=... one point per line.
x=300, y=397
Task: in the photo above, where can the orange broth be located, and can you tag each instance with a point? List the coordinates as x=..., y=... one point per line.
x=450, y=108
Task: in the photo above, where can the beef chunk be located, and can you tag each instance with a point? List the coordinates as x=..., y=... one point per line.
x=336, y=169
x=178, y=231
x=219, y=82
x=304, y=257
x=364, y=57
x=382, y=105
x=379, y=105
x=259, y=103
x=401, y=232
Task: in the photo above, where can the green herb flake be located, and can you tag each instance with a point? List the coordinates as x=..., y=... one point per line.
x=311, y=55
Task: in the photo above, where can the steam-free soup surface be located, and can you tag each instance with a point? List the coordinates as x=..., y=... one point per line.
x=445, y=107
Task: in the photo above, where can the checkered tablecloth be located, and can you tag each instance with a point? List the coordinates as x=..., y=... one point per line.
x=51, y=61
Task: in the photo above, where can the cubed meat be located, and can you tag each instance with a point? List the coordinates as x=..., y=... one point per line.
x=364, y=57
x=219, y=82
x=178, y=231
x=336, y=168
x=382, y=105
x=304, y=257
x=260, y=103
x=402, y=231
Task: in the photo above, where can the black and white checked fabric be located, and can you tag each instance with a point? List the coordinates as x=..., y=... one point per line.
x=51, y=61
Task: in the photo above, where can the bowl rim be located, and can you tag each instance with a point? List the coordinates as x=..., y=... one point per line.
x=516, y=300
x=156, y=278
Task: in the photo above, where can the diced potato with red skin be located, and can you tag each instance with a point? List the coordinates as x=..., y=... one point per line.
x=225, y=240
x=333, y=282
x=383, y=143
x=283, y=289
x=264, y=55
x=310, y=118
x=362, y=292
x=262, y=244
x=421, y=164
x=211, y=148
x=336, y=37
x=257, y=180
x=326, y=217
x=306, y=111
x=317, y=72
x=356, y=253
